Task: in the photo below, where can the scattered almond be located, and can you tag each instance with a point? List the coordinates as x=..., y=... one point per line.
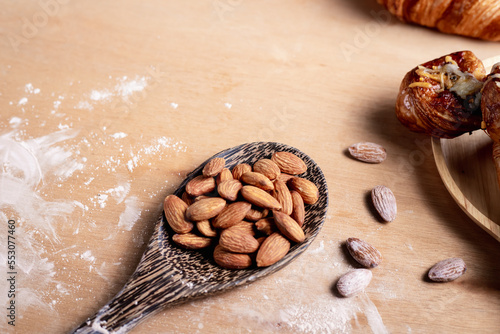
x=368, y=152
x=364, y=253
x=254, y=214
x=354, y=282
x=273, y=249
x=384, y=202
x=266, y=225
x=307, y=190
x=205, y=228
x=447, y=270
x=289, y=163
x=224, y=175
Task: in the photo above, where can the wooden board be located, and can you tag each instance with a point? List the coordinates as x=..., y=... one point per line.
x=106, y=106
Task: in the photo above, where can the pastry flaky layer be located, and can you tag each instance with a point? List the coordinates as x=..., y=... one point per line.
x=473, y=18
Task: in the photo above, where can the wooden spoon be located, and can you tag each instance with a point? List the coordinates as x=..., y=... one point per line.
x=167, y=274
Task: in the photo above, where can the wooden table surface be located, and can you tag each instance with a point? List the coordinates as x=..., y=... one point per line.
x=106, y=106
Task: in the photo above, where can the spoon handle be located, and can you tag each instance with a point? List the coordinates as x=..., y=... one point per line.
x=155, y=283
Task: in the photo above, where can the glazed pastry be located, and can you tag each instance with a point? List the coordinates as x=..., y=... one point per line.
x=490, y=104
x=473, y=18
x=442, y=97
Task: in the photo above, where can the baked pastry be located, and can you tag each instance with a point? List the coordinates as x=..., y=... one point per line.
x=473, y=18
x=490, y=104
x=442, y=97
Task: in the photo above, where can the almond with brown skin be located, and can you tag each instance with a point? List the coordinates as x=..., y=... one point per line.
x=237, y=240
x=187, y=198
x=364, y=253
x=231, y=214
x=229, y=189
x=213, y=167
x=384, y=202
x=273, y=249
x=447, y=270
x=282, y=194
x=254, y=214
x=266, y=225
x=260, y=198
x=257, y=179
x=285, y=177
x=175, y=211
x=230, y=260
x=298, y=210
x=245, y=227
x=353, y=282
x=368, y=152
x=268, y=168
x=224, y=175
x=206, y=228
x=200, y=185
x=191, y=241
x=288, y=227
x=241, y=169
x=205, y=208
x=289, y=163
x=307, y=190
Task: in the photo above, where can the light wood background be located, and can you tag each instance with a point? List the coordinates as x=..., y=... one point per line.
x=137, y=94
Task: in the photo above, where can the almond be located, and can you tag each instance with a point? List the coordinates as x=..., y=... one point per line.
x=229, y=189
x=205, y=208
x=307, y=190
x=258, y=180
x=237, y=240
x=368, y=152
x=447, y=270
x=205, y=228
x=273, y=249
x=266, y=225
x=175, y=211
x=268, y=168
x=213, y=167
x=364, y=253
x=241, y=169
x=200, y=185
x=231, y=214
x=285, y=177
x=191, y=241
x=282, y=194
x=288, y=227
x=298, y=210
x=224, y=175
x=230, y=260
x=260, y=198
x=354, y=282
x=245, y=227
x=254, y=214
x=188, y=199
x=289, y=163
x=384, y=202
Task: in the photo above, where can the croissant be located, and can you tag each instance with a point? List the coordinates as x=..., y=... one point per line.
x=442, y=97
x=490, y=104
x=473, y=18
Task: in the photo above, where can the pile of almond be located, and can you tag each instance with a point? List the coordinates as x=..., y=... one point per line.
x=251, y=214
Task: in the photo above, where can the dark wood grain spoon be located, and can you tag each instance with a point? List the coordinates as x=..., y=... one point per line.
x=167, y=274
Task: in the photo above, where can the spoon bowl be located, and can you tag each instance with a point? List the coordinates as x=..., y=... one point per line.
x=168, y=274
